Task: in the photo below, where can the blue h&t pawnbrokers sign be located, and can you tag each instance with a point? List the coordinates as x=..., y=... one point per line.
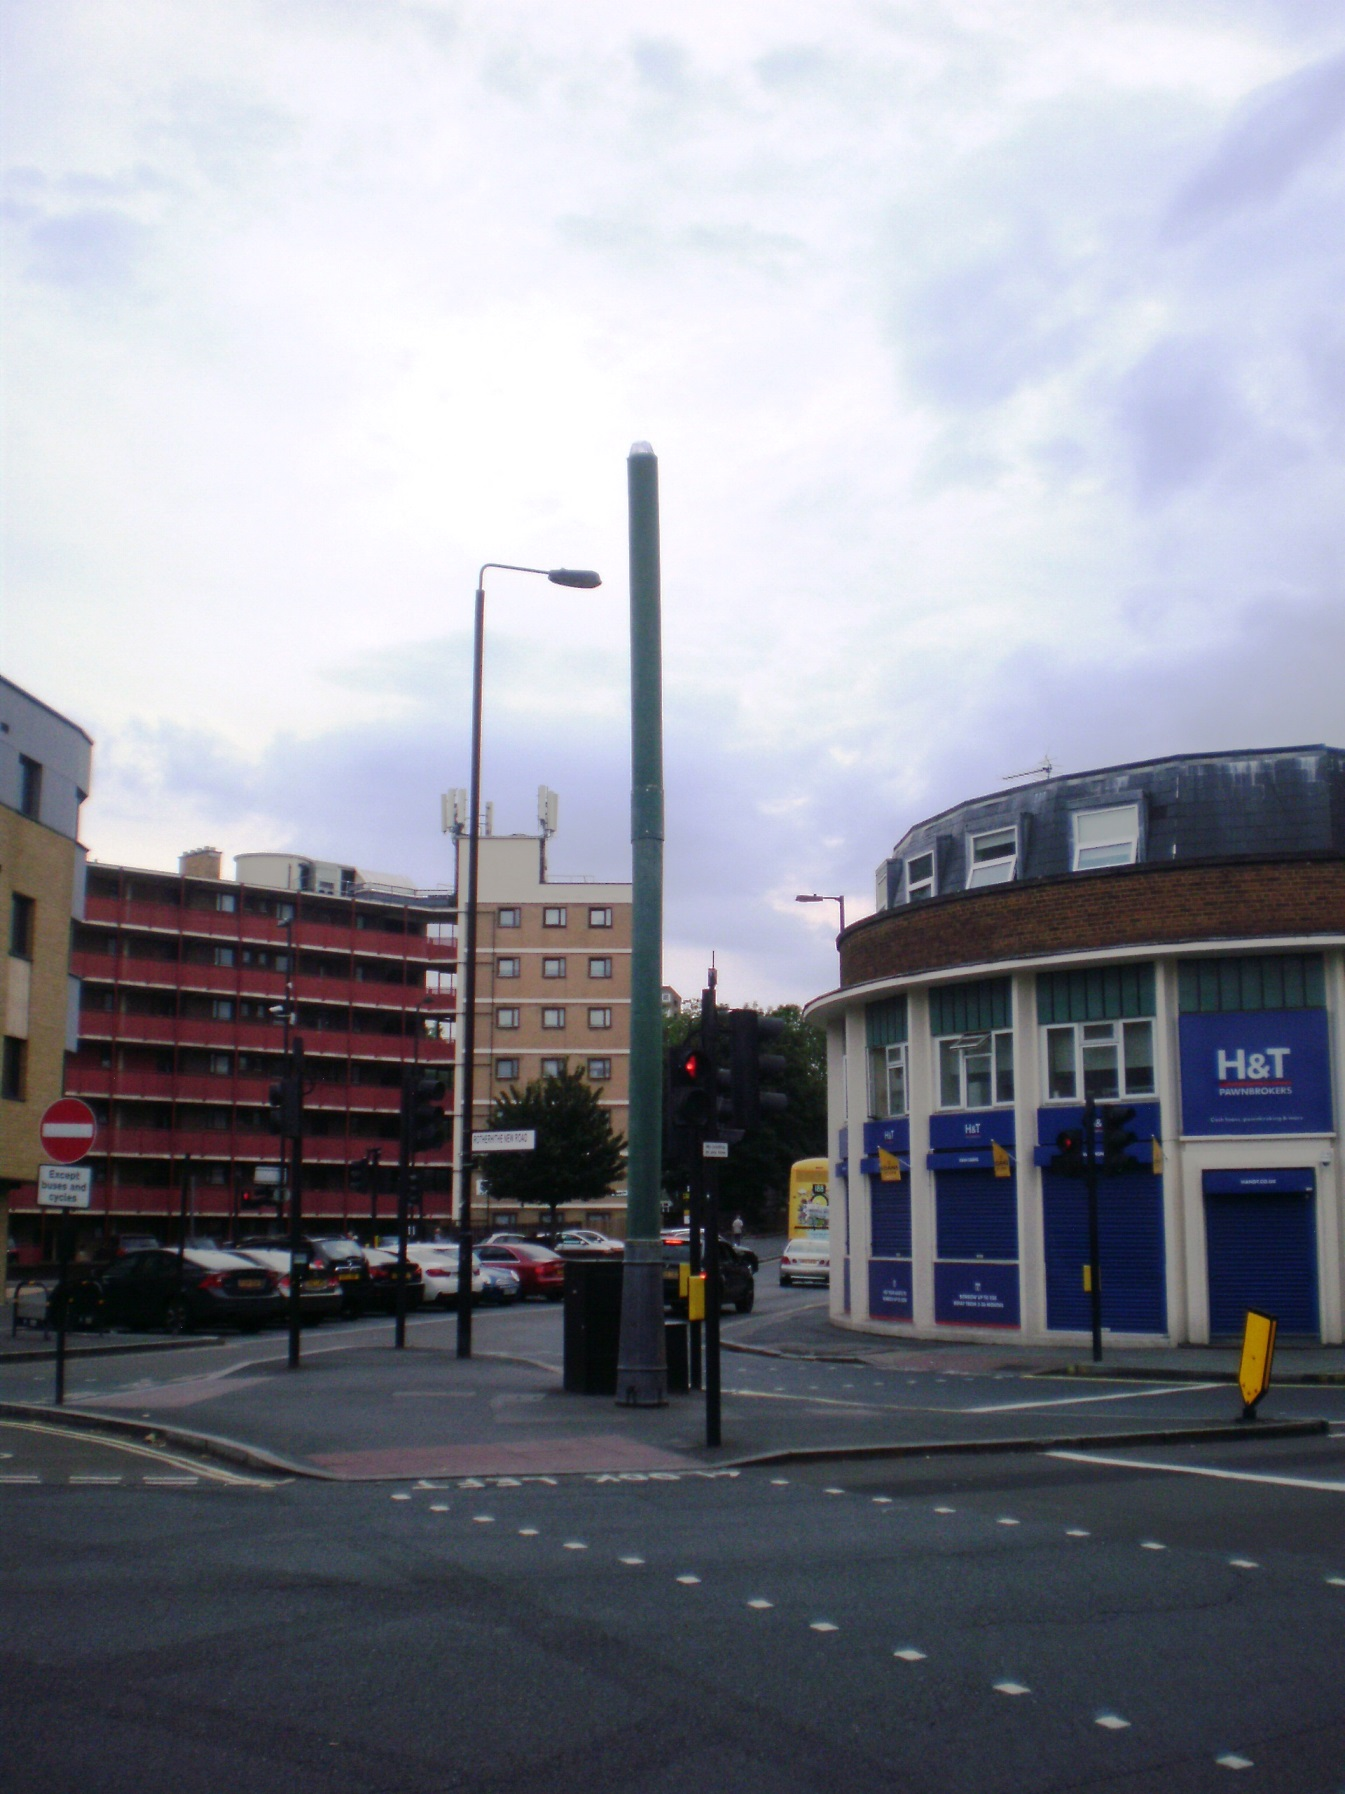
x=1256, y=1072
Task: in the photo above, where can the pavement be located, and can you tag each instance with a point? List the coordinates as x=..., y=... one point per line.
x=795, y=1388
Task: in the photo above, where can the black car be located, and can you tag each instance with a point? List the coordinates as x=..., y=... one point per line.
x=737, y=1284
x=336, y=1253
x=201, y=1289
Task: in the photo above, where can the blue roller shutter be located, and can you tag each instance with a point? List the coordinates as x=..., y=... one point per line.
x=1262, y=1253
x=891, y=1219
x=977, y=1215
x=1130, y=1246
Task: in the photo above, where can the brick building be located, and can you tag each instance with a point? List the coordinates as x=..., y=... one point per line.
x=1167, y=935
x=187, y=979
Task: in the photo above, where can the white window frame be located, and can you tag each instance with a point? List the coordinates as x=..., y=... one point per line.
x=553, y=1068
x=508, y=968
x=603, y=1074
x=600, y=968
x=997, y=1045
x=925, y=884
x=509, y=918
x=600, y=917
x=1115, y=832
x=1097, y=1034
x=553, y=968
x=599, y=1018
x=506, y=1071
x=507, y=1018
x=555, y=915
x=883, y=1062
x=553, y=1018
x=992, y=857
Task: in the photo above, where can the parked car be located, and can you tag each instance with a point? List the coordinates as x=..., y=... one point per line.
x=383, y=1274
x=439, y=1269
x=499, y=1282
x=806, y=1259
x=349, y=1267
x=205, y=1289
x=319, y=1290
x=737, y=1283
x=584, y=1242
x=541, y=1272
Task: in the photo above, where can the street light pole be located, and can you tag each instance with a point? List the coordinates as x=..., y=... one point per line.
x=817, y=897
x=559, y=576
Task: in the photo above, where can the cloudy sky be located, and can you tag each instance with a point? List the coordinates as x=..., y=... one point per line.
x=993, y=351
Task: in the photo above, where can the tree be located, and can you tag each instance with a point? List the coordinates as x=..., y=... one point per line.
x=577, y=1157
x=754, y=1179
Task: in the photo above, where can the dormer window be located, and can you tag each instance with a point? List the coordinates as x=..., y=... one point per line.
x=992, y=859
x=920, y=877
x=1106, y=837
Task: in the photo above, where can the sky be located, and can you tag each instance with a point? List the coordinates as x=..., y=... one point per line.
x=992, y=351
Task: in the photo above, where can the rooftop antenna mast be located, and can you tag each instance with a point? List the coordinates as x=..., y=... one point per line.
x=1044, y=766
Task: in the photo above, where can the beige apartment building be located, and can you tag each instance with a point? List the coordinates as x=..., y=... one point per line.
x=552, y=979
x=44, y=778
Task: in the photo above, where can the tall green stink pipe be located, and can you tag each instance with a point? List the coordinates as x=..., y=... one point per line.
x=642, y=1377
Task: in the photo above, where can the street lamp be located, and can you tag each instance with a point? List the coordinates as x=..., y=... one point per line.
x=817, y=897
x=559, y=576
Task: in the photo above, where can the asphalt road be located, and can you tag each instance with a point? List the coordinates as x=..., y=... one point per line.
x=1001, y=1624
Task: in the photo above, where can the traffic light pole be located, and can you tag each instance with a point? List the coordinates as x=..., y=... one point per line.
x=1094, y=1242
x=714, y=1299
x=697, y=1220
x=403, y=1192
x=296, y=1072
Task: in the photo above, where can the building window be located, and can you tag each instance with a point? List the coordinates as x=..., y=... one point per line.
x=510, y=918
x=920, y=878
x=599, y=1018
x=506, y=1018
x=21, y=912
x=227, y=901
x=30, y=787
x=1258, y=981
x=992, y=859
x=1106, y=837
x=600, y=918
x=600, y=968
x=506, y=1071
x=222, y=1009
x=553, y=1068
x=13, y=1071
x=554, y=916
x=1117, y=1059
x=553, y=968
x=599, y=1071
x=224, y=956
x=885, y=1037
x=507, y=968
x=220, y=1065
x=976, y=1070
x=553, y=1018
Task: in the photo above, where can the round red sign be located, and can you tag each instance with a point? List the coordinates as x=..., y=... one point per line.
x=67, y=1130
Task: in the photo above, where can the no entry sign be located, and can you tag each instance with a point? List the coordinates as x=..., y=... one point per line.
x=67, y=1130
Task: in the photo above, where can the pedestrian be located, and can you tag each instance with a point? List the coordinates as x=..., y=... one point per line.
x=737, y=1230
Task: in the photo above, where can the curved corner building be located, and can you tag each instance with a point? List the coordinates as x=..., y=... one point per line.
x=1169, y=936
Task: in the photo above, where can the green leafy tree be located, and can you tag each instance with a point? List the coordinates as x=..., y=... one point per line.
x=577, y=1158
x=754, y=1179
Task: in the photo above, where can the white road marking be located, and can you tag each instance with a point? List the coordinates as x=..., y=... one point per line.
x=632, y=1560
x=1077, y=1532
x=1227, y=1476
x=527, y=1532
x=779, y=1482
x=18, y=1478
x=1071, y=1401
x=1231, y=1760
x=945, y=1510
x=1012, y=1688
x=760, y=1604
x=909, y=1654
x=483, y=1519
x=882, y=1501
x=171, y=1482
x=99, y=1480
x=833, y=1491
x=438, y=1507
x=399, y=1498
x=689, y=1581
x=1243, y=1563
x=822, y=1626
x=1151, y=1545
x=1336, y=1581
x=1112, y=1722
x=1007, y=1520
x=575, y=1545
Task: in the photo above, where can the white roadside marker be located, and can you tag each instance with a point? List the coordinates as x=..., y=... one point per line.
x=909, y=1654
x=1012, y=1688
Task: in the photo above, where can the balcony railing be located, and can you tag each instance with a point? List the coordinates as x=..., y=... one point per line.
x=207, y=1145
x=169, y=1030
x=227, y=1090
x=239, y=925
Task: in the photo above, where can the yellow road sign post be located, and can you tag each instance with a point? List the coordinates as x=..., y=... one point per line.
x=1258, y=1354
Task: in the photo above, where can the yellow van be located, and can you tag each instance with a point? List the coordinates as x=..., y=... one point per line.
x=809, y=1210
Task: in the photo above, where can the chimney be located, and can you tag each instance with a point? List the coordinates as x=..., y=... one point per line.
x=199, y=862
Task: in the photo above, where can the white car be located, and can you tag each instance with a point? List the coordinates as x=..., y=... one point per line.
x=439, y=1268
x=586, y=1241
x=807, y=1259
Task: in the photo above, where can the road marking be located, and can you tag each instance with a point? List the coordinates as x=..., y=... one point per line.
x=909, y=1654
x=1151, y=1545
x=20, y=1478
x=822, y=1626
x=760, y=1604
x=100, y=1480
x=1112, y=1722
x=1012, y=1688
x=1071, y=1401
x=438, y=1507
x=1227, y=1476
x=779, y=1482
x=156, y=1455
x=1336, y=1581
x=882, y=1501
x=1007, y=1520
x=527, y=1532
x=833, y=1491
x=399, y=1498
x=575, y=1545
x=1077, y=1532
x=1243, y=1563
x=1231, y=1760
x=632, y=1560
x=483, y=1519
x=689, y=1581
x=171, y=1482
x=945, y=1510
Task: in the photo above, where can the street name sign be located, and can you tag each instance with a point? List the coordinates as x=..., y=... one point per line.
x=65, y=1186
x=714, y=1149
x=519, y=1139
x=67, y=1130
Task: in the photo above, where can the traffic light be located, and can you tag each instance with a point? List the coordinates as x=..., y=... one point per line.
x=1069, y=1154
x=749, y=1030
x=423, y=1113
x=359, y=1176
x=686, y=1106
x=1117, y=1137
x=285, y=1107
